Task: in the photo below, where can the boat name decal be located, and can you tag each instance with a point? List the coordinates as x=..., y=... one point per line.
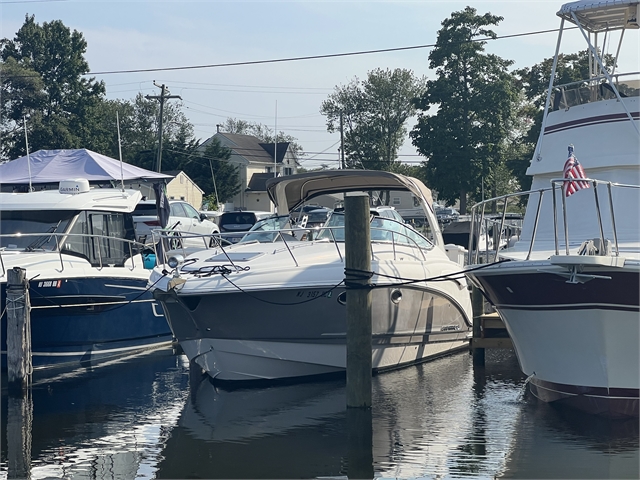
x=449, y=328
x=313, y=293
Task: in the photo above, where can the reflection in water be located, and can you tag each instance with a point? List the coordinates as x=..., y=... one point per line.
x=106, y=422
x=443, y=419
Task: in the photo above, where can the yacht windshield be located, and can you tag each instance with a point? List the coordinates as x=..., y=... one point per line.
x=267, y=230
x=382, y=230
x=17, y=228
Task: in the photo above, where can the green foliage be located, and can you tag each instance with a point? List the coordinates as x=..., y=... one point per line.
x=42, y=70
x=473, y=99
x=374, y=113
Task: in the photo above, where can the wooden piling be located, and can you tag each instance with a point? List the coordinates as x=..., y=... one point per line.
x=357, y=260
x=477, y=304
x=18, y=329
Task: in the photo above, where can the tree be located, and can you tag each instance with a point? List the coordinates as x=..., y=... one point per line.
x=474, y=96
x=373, y=114
x=264, y=133
x=214, y=165
x=44, y=64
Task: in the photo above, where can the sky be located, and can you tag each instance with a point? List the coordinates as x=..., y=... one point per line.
x=145, y=35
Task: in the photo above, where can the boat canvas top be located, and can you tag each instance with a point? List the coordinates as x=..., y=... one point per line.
x=53, y=166
x=102, y=199
x=599, y=16
x=290, y=191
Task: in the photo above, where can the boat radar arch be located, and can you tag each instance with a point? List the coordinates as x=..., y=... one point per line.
x=75, y=186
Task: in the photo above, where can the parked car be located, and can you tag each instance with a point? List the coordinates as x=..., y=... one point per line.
x=239, y=222
x=183, y=218
x=447, y=215
x=317, y=217
x=387, y=212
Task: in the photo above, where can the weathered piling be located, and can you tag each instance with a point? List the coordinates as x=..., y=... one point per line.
x=477, y=304
x=357, y=262
x=18, y=329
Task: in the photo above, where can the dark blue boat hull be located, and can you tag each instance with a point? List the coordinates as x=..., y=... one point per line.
x=78, y=320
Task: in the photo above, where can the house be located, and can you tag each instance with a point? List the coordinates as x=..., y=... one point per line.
x=181, y=187
x=256, y=164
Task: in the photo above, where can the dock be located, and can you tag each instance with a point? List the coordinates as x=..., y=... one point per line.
x=493, y=333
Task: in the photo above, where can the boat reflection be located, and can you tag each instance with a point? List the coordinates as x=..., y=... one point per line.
x=146, y=418
x=104, y=422
x=552, y=442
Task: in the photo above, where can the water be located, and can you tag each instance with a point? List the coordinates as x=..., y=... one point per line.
x=146, y=418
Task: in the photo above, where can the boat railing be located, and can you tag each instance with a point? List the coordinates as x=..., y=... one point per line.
x=478, y=216
x=593, y=90
x=96, y=243
x=290, y=237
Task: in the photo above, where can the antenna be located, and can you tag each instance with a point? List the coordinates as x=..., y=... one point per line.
x=120, y=151
x=26, y=141
x=275, y=146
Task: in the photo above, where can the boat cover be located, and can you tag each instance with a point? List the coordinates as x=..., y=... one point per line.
x=290, y=191
x=601, y=15
x=293, y=190
x=53, y=166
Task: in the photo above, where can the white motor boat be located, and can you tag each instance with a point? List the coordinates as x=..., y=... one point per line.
x=89, y=299
x=568, y=291
x=274, y=307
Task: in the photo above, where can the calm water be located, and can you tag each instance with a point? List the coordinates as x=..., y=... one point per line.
x=145, y=418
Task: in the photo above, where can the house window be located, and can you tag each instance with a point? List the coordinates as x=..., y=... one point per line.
x=181, y=198
x=396, y=201
x=181, y=179
x=288, y=171
x=268, y=169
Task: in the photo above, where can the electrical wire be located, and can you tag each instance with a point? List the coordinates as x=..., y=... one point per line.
x=312, y=57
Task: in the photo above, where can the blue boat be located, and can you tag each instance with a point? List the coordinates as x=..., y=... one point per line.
x=88, y=285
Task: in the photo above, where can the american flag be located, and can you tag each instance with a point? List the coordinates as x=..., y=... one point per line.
x=573, y=169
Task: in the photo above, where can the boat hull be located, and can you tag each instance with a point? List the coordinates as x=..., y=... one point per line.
x=302, y=331
x=578, y=342
x=87, y=320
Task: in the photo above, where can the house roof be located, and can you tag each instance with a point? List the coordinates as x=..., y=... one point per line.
x=175, y=173
x=250, y=147
x=258, y=182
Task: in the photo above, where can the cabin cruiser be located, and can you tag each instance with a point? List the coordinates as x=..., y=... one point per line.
x=568, y=291
x=87, y=280
x=275, y=308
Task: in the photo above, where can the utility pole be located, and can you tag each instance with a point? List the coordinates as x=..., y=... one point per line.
x=342, y=165
x=164, y=95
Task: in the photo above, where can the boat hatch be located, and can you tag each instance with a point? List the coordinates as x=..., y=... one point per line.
x=235, y=257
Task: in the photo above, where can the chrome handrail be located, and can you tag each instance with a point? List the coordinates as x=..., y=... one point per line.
x=556, y=184
x=57, y=235
x=411, y=242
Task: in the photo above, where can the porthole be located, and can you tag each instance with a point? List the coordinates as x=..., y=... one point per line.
x=396, y=296
x=342, y=298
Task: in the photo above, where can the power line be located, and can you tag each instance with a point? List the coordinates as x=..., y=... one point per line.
x=312, y=57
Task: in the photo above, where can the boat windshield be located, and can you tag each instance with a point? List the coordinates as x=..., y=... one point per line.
x=267, y=230
x=382, y=230
x=19, y=226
